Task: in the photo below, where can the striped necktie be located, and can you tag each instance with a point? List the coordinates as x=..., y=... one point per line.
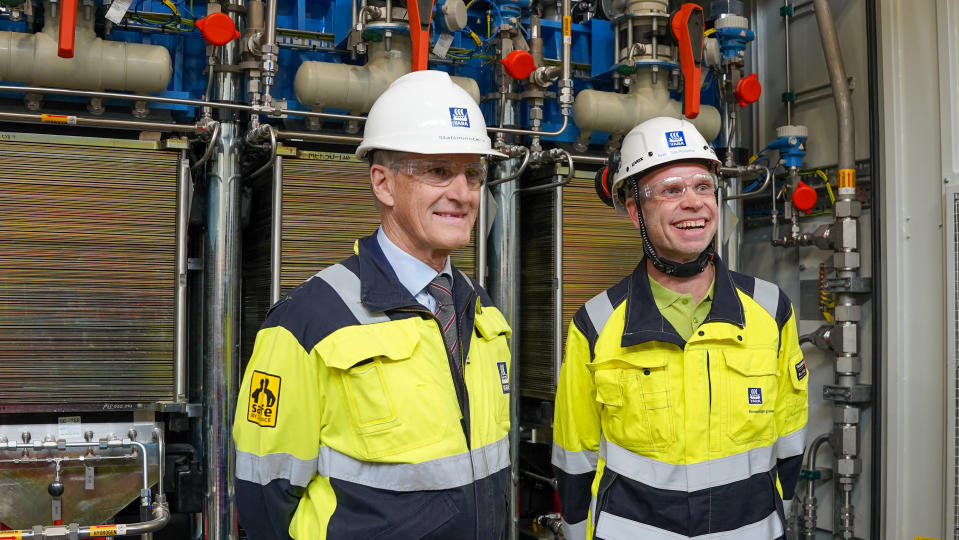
x=445, y=313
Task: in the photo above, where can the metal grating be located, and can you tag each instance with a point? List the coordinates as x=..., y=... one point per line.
x=600, y=247
x=87, y=263
x=327, y=204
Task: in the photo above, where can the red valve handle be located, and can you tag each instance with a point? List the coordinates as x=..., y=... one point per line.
x=420, y=13
x=687, y=26
x=68, y=28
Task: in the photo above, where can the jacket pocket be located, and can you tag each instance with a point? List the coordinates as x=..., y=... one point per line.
x=390, y=389
x=638, y=412
x=490, y=355
x=752, y=379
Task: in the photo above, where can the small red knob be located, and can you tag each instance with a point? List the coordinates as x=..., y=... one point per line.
x=748, y=89
x=218, y=29
x=519, y=64
x=804, y=197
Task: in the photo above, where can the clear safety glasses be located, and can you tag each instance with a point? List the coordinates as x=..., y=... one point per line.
x=442, y=172
x=674, y=187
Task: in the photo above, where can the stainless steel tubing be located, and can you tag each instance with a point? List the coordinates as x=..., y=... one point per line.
x=276, y=230
x=558, y=270
x=789, y=106
x=840, y=89
x=518, y=173
x=184, y=191
x=482, y=224
x=320, y=137
x=272, y=160
x=567, y=46
x=176, y=101
x=269, y=34
x=221, y=267
x=594, y=160
x=100, y=122
x=511, y=131
x=214, y=138
x=752, y=194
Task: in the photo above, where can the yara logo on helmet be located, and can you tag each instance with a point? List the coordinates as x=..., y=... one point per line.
x=675, y=138
x=459, y=117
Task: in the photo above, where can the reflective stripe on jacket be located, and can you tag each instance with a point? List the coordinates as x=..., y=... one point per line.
x=352, y=419
x=659, y=438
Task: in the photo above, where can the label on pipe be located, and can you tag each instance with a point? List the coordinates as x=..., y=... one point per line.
x=117, y=10
x=567, y=30
x=58, y=119
x=847, y=181
x=12, y=535
x=108, y=530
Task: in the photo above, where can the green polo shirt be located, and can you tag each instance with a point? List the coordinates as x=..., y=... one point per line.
x=680, y=309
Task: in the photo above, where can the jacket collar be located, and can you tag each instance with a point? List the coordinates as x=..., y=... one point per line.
x=381, y=290
x=644, y=322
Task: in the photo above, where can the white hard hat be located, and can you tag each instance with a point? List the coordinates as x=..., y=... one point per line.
x=425, y=112
x=656, y=142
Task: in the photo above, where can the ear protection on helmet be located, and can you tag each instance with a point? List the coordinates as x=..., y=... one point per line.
x=604, y=179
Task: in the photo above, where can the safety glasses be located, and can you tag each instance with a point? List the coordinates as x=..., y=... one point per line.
x=442, y=172
x=674, y=187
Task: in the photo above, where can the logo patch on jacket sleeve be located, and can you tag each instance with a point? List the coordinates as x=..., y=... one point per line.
x=755, y=396
x=264, y=399
x=801, y=370
x=503, y=376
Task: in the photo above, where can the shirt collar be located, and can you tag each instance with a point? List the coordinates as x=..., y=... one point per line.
x=644, y=322
x=670, y=297
x=414, y=274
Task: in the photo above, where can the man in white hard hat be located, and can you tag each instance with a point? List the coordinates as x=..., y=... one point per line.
x=682, y=400
x=388, y=373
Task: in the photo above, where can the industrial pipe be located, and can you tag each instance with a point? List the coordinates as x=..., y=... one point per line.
x=519, y=172
x=618, y=113
x=355, y=88
x=60, y=119
x=271, y=133
x=512, y=131
x=840, y=88
x=184, y=192
x=210, y=145
x=276, y=230
x=318, y=137
x=97, y=64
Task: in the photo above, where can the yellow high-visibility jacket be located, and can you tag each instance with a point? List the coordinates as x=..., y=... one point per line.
x=658, y=438
x=354, y=422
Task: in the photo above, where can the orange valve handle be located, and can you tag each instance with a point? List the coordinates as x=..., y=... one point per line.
x=420, y=13
x=68, y=28
x=687, y=27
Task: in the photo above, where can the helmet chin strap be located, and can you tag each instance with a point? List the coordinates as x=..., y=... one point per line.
x=666, y=266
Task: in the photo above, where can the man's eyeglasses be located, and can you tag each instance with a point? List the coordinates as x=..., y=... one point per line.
x=442, y=172
x=674, y=187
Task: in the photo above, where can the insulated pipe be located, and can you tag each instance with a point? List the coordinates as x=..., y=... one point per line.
x=618, y=113
x=355, y=88
x=840, y=89
x=97, y=64
x=184, y=191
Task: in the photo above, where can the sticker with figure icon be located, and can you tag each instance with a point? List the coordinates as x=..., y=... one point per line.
x=264, y=399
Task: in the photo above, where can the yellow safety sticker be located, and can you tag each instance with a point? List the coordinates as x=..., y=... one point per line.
x=58, y=119
x=108, y=530
x=264, y=399
x=925, y=538
x=847, y=178
x=11, y=535
x=567, y=29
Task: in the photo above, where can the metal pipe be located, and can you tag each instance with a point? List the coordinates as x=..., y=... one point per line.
x=837, y=77
x=551, y=481
x=184, y=192
x=789, y=107
x=320, y=137
x=511, y=131
x=221, y=266
x=175, y=101
x=518, y=173
x=276, y=230
x=482, y=224
x=558, y=270
x=214, y=138
x=81, y=121
x=161, y=515
x=269, y=33
x=753, y=194
x=594, y=160
x=272, y=160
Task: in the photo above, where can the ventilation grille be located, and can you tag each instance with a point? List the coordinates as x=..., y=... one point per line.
x=87, y=262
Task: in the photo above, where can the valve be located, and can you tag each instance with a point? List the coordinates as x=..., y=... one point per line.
x=420, y=14
x=519, y=64
x=804, y=197
x=68, y=28
x=687, y=27
x=218, y=29
x=733, y=33
x=791, y=144
x=748, y=90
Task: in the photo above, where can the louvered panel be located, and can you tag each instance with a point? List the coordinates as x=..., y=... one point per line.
x=87, y=262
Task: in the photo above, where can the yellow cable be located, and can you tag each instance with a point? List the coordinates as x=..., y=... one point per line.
x=709, y=32
x=825, y=179
x=476, y=39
